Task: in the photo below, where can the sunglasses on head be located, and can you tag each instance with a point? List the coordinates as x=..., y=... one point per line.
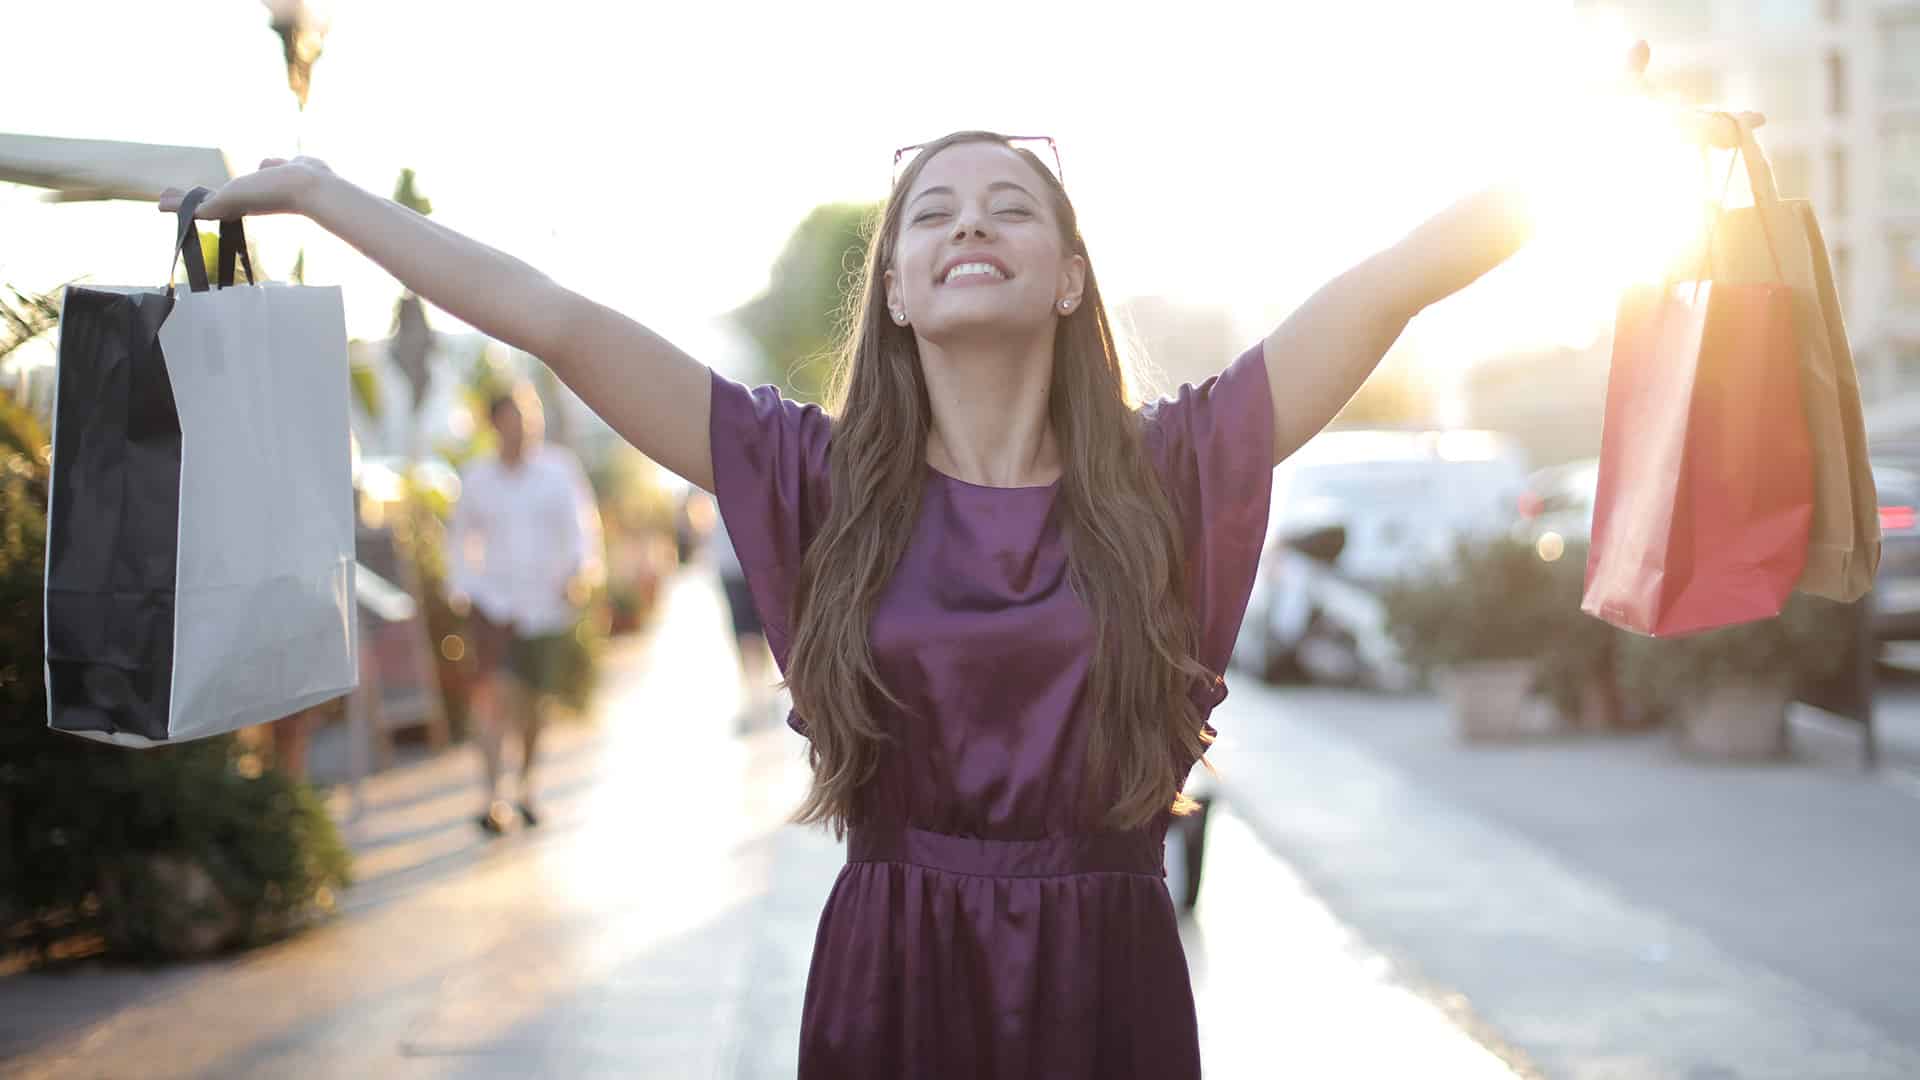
x=1033, y=144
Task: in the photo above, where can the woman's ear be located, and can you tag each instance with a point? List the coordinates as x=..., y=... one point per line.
x=896, y=307
x=1073, y=282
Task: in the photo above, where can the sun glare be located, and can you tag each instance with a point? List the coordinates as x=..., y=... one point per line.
x=1618, y=191
x=1626, y=198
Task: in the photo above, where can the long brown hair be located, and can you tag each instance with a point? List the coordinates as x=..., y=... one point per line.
x=1123, y=548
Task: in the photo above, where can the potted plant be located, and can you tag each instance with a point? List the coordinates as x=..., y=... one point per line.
x=1481, y=625
x=1726, y=691
x=1578, y=664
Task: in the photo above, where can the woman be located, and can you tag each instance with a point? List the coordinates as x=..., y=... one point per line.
x=1001, y=594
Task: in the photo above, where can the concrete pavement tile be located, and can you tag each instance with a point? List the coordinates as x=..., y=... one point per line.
x=1583, y=980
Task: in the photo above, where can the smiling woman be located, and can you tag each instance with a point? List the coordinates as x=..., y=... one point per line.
x=1001, y=588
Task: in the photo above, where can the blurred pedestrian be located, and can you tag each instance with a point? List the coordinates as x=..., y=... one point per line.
x=523, y=555
x=749, y=634
x=1001, y=592
x=289, y=737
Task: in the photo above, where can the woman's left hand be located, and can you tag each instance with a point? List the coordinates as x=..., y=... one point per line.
x=1715, y=128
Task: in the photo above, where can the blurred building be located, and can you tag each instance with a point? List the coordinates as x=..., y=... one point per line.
x=1550, y=401
x=1174, y=342
x=1839, y=82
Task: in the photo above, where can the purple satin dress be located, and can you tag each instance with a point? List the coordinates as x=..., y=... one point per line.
x=976, y=931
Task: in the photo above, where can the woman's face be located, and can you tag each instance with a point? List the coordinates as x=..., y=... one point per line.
x=979, y=248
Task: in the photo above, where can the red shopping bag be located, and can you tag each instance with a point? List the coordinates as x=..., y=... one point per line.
x=1705, y=495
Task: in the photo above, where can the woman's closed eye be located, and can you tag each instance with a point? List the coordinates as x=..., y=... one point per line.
x=1013, y=213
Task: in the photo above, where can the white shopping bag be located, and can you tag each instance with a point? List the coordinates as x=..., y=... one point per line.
x=200, y=524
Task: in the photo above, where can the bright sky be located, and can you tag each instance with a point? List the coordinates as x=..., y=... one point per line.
x=657, y=156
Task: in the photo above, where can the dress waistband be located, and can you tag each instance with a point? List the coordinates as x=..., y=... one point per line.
x=1131, y=852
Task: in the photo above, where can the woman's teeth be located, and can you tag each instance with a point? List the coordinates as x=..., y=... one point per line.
x=971, y=270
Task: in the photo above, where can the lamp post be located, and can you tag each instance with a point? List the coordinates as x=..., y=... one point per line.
x=303, y=30
x=302, y=26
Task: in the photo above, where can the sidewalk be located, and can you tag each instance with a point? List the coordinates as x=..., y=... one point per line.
x=658, y=923
x=1607, y=906
x=615, y=939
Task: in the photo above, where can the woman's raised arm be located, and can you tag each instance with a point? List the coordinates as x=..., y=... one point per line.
x=653, y=394
x=1320, y=355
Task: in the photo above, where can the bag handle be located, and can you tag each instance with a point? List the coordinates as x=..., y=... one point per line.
x=1709, y=226
x=196, y=262
x=1759, y=169
x=233, y=246
x=233, y=241
x=1765, y=197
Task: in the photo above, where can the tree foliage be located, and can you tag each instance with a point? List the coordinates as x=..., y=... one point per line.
x=800, y=318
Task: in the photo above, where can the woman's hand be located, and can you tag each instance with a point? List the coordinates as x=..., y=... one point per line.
x=279, y=187
x=1718, y=129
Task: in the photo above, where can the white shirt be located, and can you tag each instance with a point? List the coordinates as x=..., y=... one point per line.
x=519, y=534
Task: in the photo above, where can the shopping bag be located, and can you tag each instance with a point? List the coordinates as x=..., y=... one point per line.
x=199, y=565
x=1705, y=492
x=1779, y=239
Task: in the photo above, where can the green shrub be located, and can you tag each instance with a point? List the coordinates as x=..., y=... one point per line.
x=1579, y=649
x=1806, y=643
x=84, y=826
x=1496, y=599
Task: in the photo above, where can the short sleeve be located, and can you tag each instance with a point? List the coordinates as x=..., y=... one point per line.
x=1212, y=445
x=771, y=481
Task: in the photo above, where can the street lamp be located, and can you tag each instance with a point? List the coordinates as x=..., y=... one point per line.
x=302, y=27
x=302, y=30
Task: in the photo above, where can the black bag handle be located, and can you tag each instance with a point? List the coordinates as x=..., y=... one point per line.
x=196, y=262
x=233, y=245
x=233, y=241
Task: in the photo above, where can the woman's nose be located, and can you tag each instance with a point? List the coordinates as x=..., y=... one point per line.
x=969, y=225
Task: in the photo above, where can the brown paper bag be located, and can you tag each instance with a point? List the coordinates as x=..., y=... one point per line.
x=1779, y=239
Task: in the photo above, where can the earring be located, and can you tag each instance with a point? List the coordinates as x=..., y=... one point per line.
x=1066, y=305
x=899, y=316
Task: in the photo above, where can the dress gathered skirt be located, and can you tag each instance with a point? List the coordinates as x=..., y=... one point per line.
x=979, y=929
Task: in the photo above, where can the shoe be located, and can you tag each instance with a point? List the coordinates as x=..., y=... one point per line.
x=527, y=815
x=493, y=820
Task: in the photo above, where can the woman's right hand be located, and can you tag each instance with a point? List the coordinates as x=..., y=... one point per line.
x=651, y=392
x=279, y=187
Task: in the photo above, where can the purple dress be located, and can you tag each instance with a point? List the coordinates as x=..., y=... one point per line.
x=974, y=932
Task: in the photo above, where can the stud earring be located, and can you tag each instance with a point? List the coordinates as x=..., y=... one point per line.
x=1066, y=305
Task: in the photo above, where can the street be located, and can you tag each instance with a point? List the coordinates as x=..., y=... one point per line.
x=658, y=923
x=1378, y=900
x=1610, y=907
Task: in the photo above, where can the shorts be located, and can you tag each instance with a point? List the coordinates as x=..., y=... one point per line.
x=746, y=618
x=540, y=663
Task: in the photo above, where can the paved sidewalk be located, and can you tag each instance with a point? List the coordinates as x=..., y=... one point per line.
x=658, y=924
x=1608, y=907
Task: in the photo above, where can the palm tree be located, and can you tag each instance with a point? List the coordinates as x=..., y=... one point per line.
x=23, y=318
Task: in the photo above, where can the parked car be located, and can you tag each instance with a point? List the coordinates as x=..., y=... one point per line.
x=1559, y=500
x=1353, y=511
x=1895, y=600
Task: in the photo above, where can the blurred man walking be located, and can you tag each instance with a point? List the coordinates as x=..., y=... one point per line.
x=523, y=556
